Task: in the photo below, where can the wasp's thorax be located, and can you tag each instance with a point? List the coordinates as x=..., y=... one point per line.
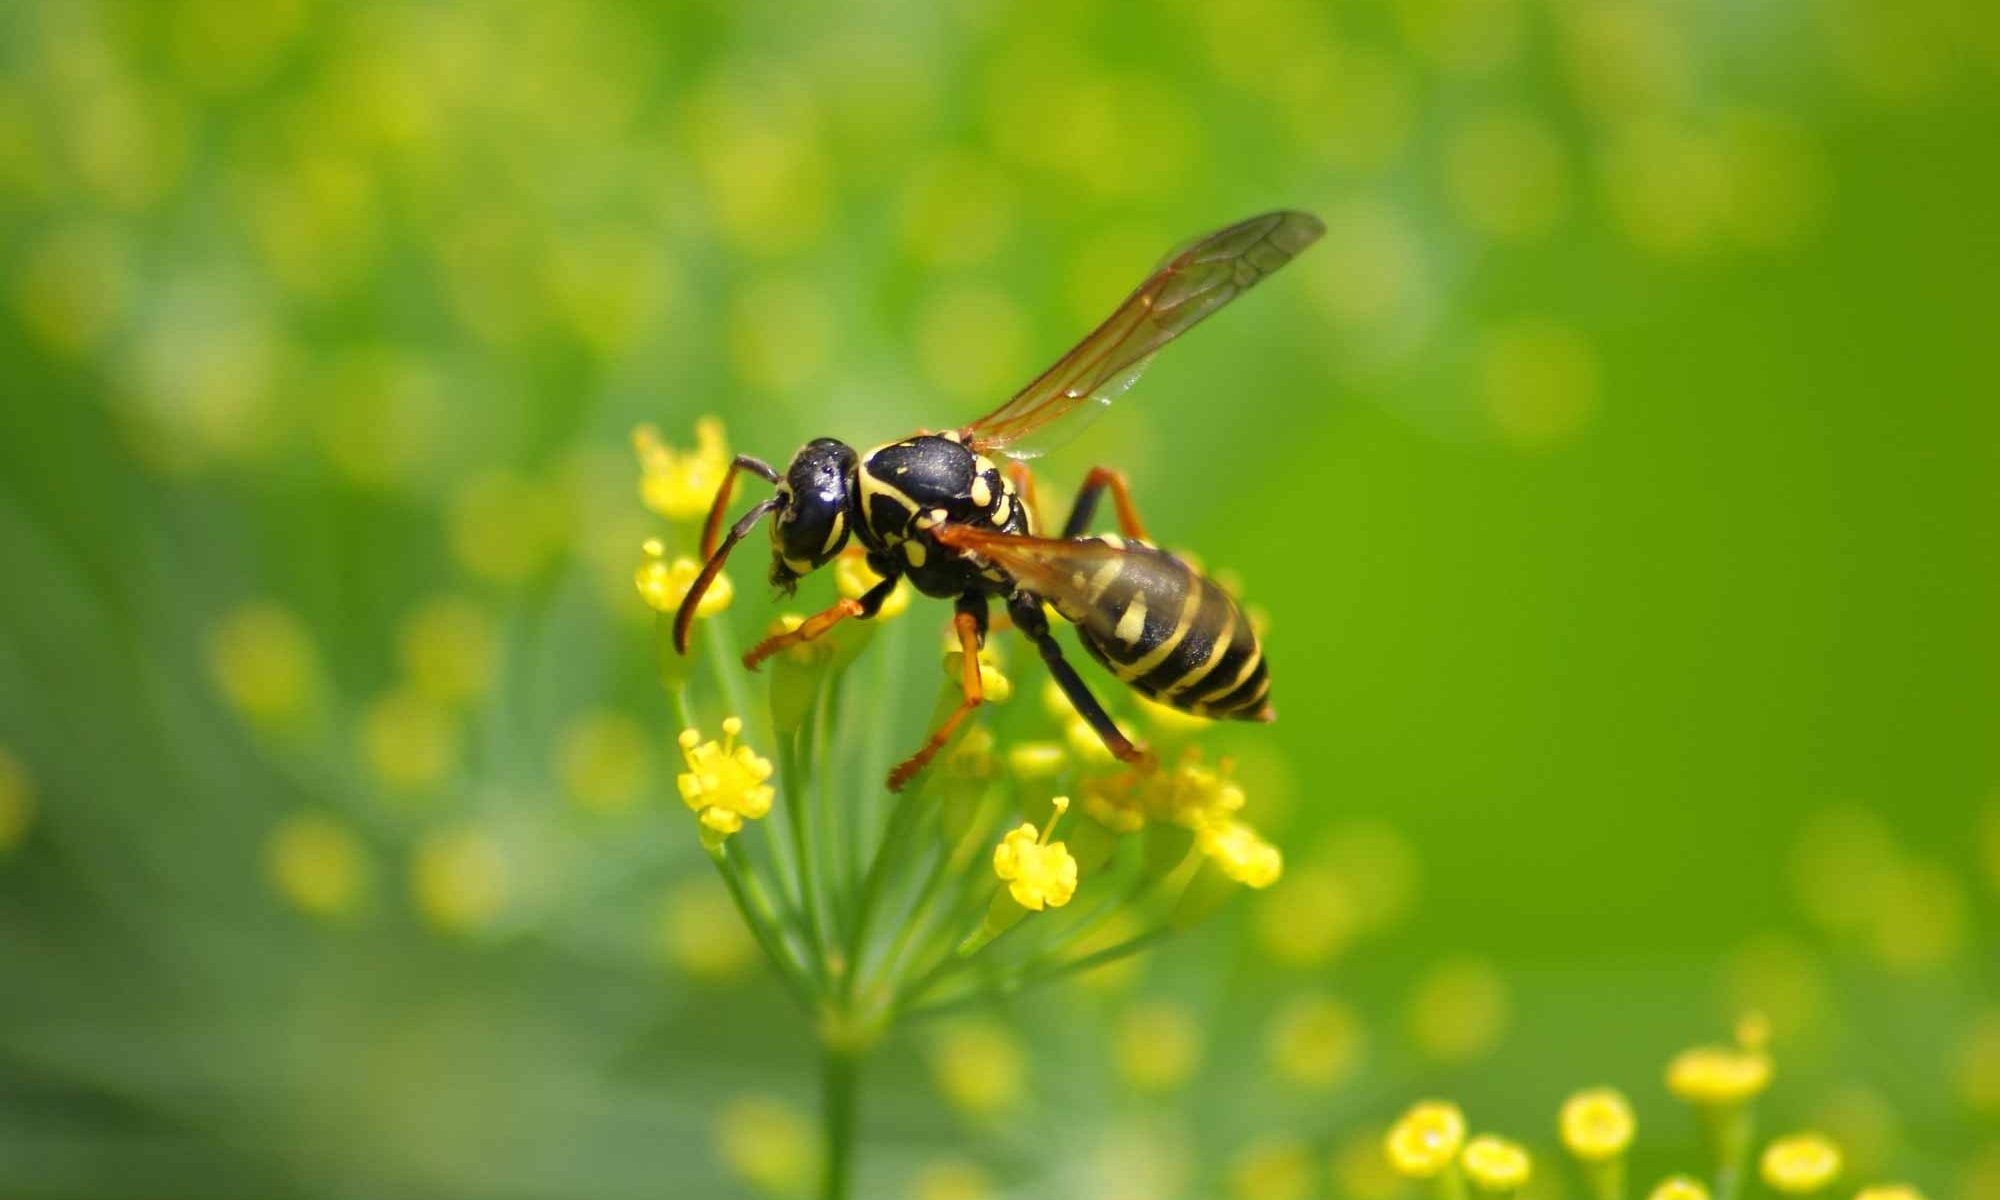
x=812, y=511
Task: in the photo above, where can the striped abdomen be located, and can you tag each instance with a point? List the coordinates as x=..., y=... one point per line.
x=1171, y=634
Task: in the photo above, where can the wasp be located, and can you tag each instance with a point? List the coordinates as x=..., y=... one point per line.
x=938, y=510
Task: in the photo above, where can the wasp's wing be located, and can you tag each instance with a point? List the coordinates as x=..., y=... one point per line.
x=1193, y=282
x=1058, y=569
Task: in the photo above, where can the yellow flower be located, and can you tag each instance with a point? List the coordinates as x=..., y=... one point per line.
x=853, y=577
x=996, y=686
x=1242, y=855
x=1309, y=920
x=700, y=932
x=1718, y=1075
x=265, y=662
x=768, y=1145
x=317, y=864
x=1495, y=1164
x=1459, y=1010
x=1426, y=1140
x=1800, y=1164
x=680, y=485
x=724, y=782
x=1597, y=1124
x=1038, y=760
x=663, y=585
x=448, y=650
x=979, y=1067
x=1679, y=1187
x=1038, y=872
x=1193, y=793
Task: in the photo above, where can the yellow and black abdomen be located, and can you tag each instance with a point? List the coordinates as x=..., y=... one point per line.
x=1171, y=634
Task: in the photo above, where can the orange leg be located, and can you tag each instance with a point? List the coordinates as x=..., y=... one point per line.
x=967, y=625
x=1086, y=505
x=1023, y=480
x=808, y=629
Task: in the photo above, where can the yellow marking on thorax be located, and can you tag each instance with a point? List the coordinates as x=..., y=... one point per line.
x=1132, y=622
x=838, y=531
x=914, y=551
x=982, y=492
x=873, y=485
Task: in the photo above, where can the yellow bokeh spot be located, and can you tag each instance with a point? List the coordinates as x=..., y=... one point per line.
x=1279, y=1168
x=449, y=649
x=1308, y=919
x=1920, y=917
x=952, y=1179
x=1779, y=977
x=1169, y=720
x=979, y=1067
x=701, y=933
x=316, y=221
x=205, y=373
x=853, y=578
x=506, y=527
x=1359, y=114
x=1032, y=761
x=1668, y=186
x=1459, y=1010
x=379, y=415
x=1507, y=175
x=73, y=286
x=1718, y=1075
x=1157, y=1046
x=409, y=740
x=17, y=800
x=1241, y=853
x=1863, y=1123
x=1800, y=1164
x=223, y=48
x=1622, y=59
x=1316, y=1042
x=1777, y=179
x=971, y=342
x=761, y=161
x=1978, y=1065
x=1495, y=1164
x=1897, y=1191
x=1425, y=1141
x=611, y=285
x=265, y=663
x=768, y=1145
x=1679, y=1187
x=1893, y=52
x=605, y=761
x=1597, y=1124
x=1538, y=381
x=1464, y=36
x=1378, y=866
x=129, y=143
x=782, y=334
x=1369, y=275
x=459, y=880
x=1361, y=1172
x=317, y=864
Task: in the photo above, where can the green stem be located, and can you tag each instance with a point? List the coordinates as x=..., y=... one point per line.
x=1028, y=979
x=840, y=1073
x=755, y=908
x=798, y=820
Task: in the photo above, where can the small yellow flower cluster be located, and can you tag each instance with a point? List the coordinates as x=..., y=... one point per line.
x=663, y=584
x=724, y=784
x=681, y=484
x=1038, y=872
x=1197, y=796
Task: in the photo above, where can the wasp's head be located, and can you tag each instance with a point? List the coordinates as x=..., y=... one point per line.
x=812, y=511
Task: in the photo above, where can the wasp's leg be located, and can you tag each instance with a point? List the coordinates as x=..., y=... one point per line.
x=1023, y=480
x=1026, y=610
x=712, y=527
x=817, y=624
x=970, y=623
x=1085, y=507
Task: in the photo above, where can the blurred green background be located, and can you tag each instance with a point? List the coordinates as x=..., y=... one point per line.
x=1618, y=476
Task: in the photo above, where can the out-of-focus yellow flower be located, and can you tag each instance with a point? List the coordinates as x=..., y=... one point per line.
x=409, y=740
x=997, y=688
x=979, y=1067
x=1157, y=1046
x=1779, y=977
x=854, y=578
x=449, y=649
x=1893, y=1191
x=1279, y=1168
x=1679, y=1187
x=724, y=783
x=1194, y=794
x=1308, y=919
x=605, y=761
x=701, y=933
x=17, y=800
x=1494, y=1164
x=664, y=585
x=265, y=663
x=1242, y=855
x=1169, y=720
x=1084, y=744
x=952, y=1179
x=317, y=864
x=459, y=880
x=681, y=484
x=1426, y=1140
x=768, y=1145
x=505, y=527
x=1538, y=381
x=1315, y=1042
x=1597, y=1124
x=1038, y=872
x=1800, y=1164
x=1031, y=761
x=1718, y=1075
x=1459, y=1010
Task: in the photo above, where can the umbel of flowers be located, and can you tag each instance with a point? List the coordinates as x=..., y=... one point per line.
x=980, y=879
x=1597, y=1127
